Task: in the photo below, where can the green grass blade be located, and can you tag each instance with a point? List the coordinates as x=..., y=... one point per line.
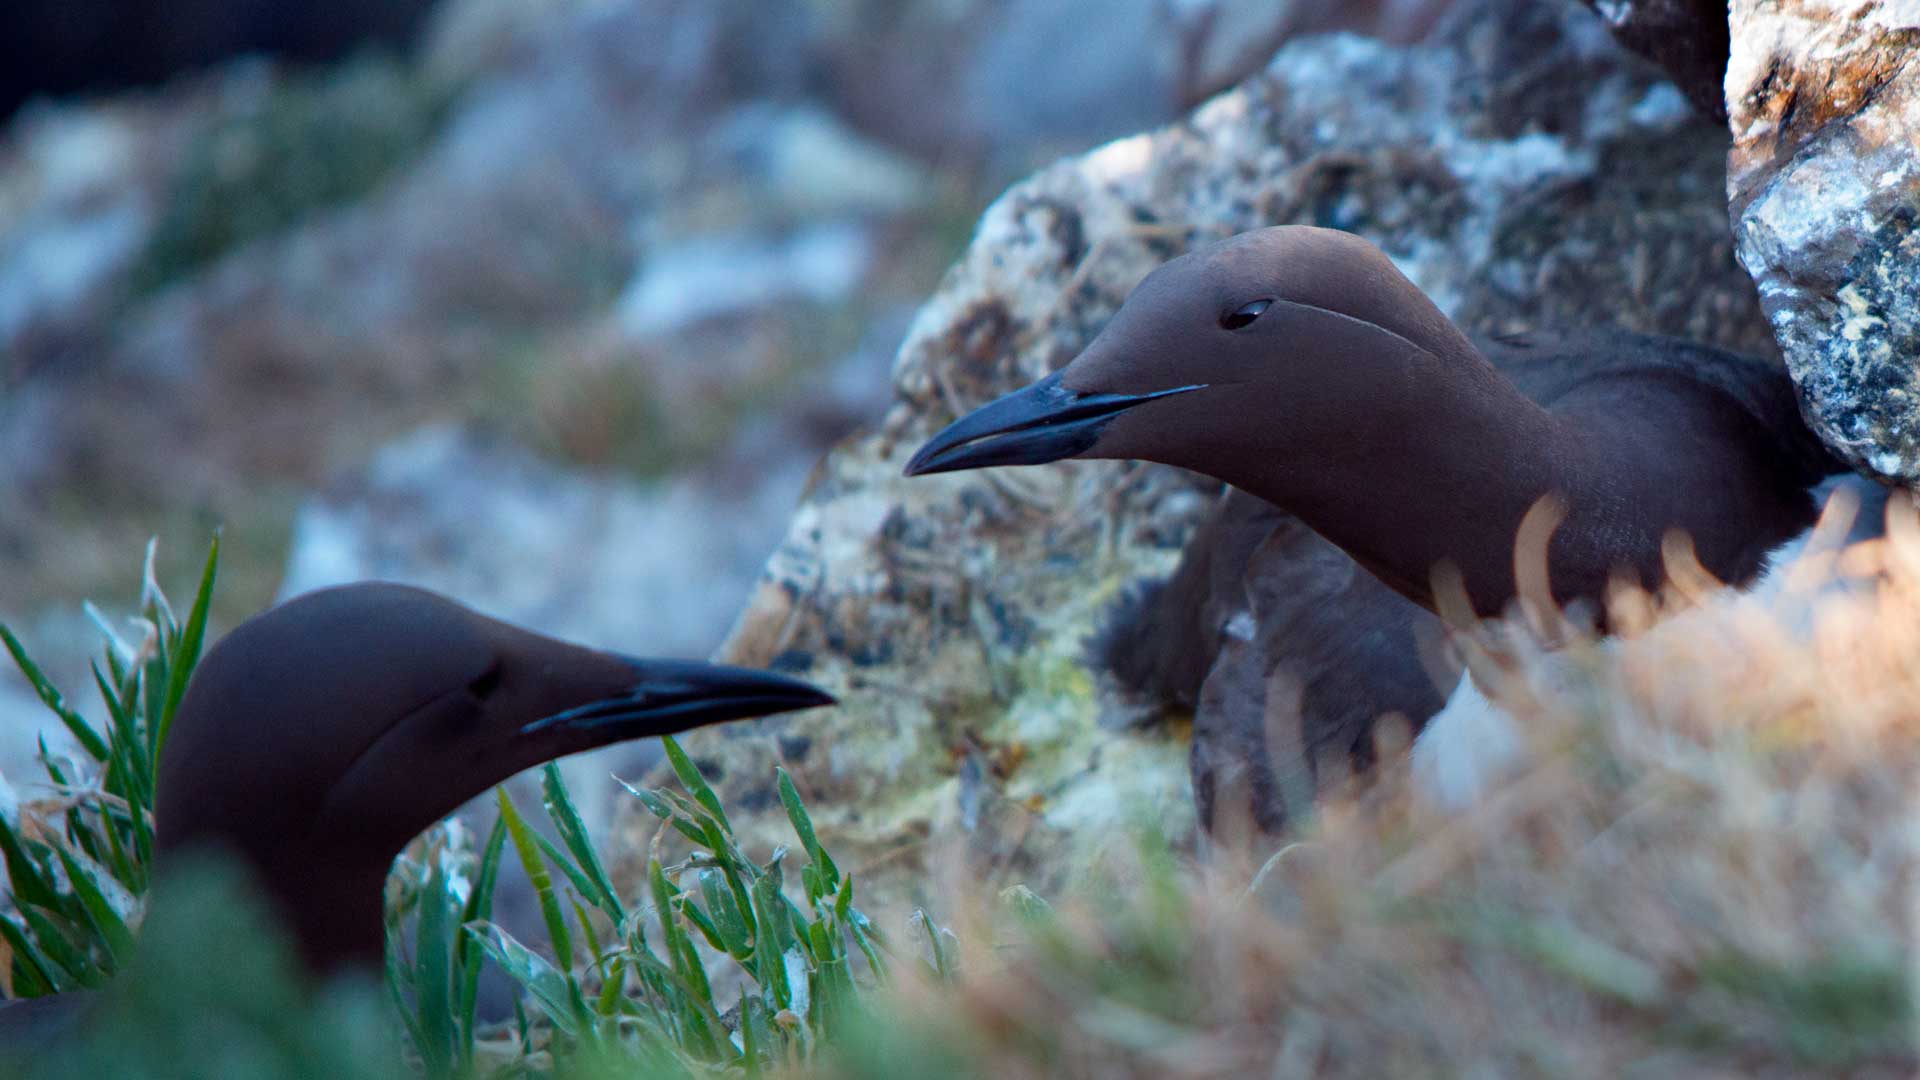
x=551, y=989
x=124, y=869
x=47, y=762
x=433, y=970
x=576, y=877
x=185, y=653
x=573, y=832
x=735, y=935
x=527, y=845
x=77, y=968
x=28, y=961
x=657, y=804
x=705, y=925
x=649, y=799
x=83, y=732
x=398, y=980
x=112, y=930
x=769, y=966
x=687, y=961
x=942, y=962
x=117, y=781
x=611, y=989
x=697, y=785
x=479, y=908
x=581, y=919
x=843, y=903
x=152, y=686
x=689, y=973
x=756, y=1033
x=803, y=827
x=30, y=884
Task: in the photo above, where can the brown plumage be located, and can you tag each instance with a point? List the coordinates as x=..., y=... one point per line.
x=1301, y=367
x=318, y=738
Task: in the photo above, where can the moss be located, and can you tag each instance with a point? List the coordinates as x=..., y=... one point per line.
x=1056, y=675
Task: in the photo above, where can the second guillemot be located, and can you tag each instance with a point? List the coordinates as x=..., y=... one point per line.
x=1300, y=366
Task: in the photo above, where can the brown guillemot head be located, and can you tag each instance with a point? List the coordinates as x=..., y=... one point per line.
x=318, y=738
x=1300, y=366
x=1284, y=341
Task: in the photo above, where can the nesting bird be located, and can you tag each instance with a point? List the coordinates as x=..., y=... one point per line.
x=317, y=739
x=1301, y=367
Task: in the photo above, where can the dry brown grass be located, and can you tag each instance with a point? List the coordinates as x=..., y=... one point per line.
x=1703, y=864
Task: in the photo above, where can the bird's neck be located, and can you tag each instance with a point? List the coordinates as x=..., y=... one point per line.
x=332, y=906
x=336, y=910
x=1442, y=470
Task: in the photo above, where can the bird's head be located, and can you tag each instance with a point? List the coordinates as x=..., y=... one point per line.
x=1277, y=342
x=316, y=739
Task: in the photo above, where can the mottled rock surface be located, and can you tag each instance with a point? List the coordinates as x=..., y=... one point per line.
x=1686, y=37
x=1521, y=168
x=1824, y=187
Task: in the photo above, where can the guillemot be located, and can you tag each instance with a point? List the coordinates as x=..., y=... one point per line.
x=1301, y=367
x=315, y=740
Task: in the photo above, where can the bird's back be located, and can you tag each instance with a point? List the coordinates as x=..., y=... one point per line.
x=1352, y=647
x=1557, y=369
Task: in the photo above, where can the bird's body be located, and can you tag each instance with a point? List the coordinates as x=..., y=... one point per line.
x=1348, y=648
x=1268, y=611
x=317, y=739
x=1300, y=367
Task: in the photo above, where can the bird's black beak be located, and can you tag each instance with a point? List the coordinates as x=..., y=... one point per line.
x=1045, y=422
x=670, y=696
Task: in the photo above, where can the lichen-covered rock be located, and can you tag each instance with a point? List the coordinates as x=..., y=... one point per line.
x=1686, y=37
x=1520, y=168
x=1824, y=186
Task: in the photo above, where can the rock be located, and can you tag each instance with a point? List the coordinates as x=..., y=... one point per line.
x=589, y=557
x=804, y=161
x=1083, y=68
x=1824, y=188
x=654, y=570
x=1222, y=41
x=74, y=212
x=340, y=256
x=704, y=278
x=995, y=80
x=1686, y=37
x=1521, y=168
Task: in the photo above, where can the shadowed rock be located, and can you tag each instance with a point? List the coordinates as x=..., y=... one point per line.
x=1824, y=187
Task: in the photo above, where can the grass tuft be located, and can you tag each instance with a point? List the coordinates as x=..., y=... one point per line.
x=79, y=858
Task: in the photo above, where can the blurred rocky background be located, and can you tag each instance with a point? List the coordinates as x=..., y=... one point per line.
x=557, y=305
x=1519, y=164
x=551, y=304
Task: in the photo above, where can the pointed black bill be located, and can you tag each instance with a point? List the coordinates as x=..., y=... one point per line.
x=669, y=696
x=1045, y=422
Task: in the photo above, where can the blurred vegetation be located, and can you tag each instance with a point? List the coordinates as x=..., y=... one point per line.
x=217, y=991
x=304, y=142
x=1383, y=941
x=79, y=862
x=630, y=984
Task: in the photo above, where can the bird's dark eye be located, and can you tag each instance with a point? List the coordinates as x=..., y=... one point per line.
x=1245, y=315
x=485, y=684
